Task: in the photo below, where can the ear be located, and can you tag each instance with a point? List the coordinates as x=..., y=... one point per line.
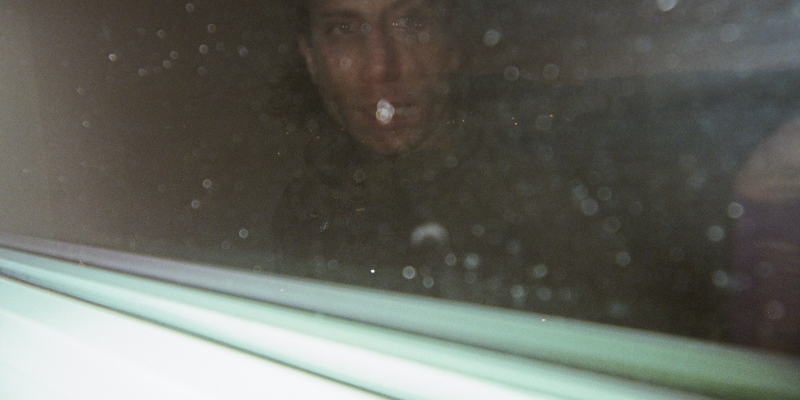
x=308, y=54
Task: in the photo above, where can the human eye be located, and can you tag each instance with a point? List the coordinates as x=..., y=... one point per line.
x=411, y=22
x=342, y=28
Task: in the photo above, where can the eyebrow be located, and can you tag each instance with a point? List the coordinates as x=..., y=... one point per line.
x=350, y=13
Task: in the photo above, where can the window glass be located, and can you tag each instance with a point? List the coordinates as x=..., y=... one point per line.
x=625, y=162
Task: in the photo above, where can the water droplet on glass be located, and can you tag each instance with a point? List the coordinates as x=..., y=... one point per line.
x=384, y=112
x=203, y=49
x=195, y=204
x=427, y=282
x=589, y=207
x=735, y=210
x=409, y=272
x=478, y=230
x=550, y=72
x=450, y=260
x=518, y=292
x=666, y=5
x=112, y=57
x=538, y=271
x=472, y=261
x=189, y=7
x=142, y=72
x=85, y=124
x=511, y=73
x=173, y=55
x=491, y=37
x=211, y=28
x=365, y=28
x=243, y=52
x=202, y=71
x=623, y=258
x=604, y=193
x=225, y=245
x=207, y=183
x=544, y=293
x=774, y=310
x=611, y=225
x=359, y=176
x=429, y=231
x=721, y=279
x=715, y=233
x=167, y=64
x=161, y=34
x=244, y=233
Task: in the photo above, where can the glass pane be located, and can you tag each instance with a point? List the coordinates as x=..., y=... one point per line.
x=625, y=162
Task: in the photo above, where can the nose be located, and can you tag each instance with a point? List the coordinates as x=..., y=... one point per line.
x=381, y=55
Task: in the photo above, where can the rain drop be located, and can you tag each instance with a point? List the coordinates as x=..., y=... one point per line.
x=491, y=37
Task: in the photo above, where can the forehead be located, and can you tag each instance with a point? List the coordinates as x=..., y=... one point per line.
x=364, y=8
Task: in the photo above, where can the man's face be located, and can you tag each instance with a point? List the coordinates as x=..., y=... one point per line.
x=381, y=66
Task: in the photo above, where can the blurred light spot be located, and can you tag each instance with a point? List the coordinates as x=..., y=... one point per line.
x=604, y=193
x=491, y=37
x=85, y=124
x=513, y=247
x=564, y=294
x=203, y=49
x=429, y=231
x=225, y=245
x=195, y=204
x=589, y=207
x=715, y=233
x=580, y=192
x=544, y=293
x=511, y=73
x=472, y=261
x=550, y=72
x=721, y=279
x=730, y=33
x=642, y=44
x=450, y=259
x=243, y=52
x=211, y=28
x=384, y=111
x=167, y=64
x=173, y=55
x=244, y=233
x=666, y=5
x=112, y=57
x=774, y=310
x=538, y=271
x=372, y=271
x=518, y=292
x=359, y=176
x=207, y=183
x=142, y=72
x=189, y=7
x=161, y=34
x=611, y=225
x=427, y=282
x=735, y=210
x=623, y=258
x=409, y=272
